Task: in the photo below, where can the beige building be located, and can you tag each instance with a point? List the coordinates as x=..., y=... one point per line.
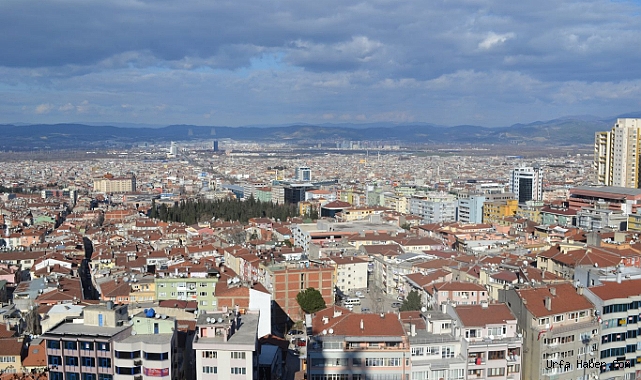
x=111, y=184
x=558, y=326
x=351, y=272
x=616, y=157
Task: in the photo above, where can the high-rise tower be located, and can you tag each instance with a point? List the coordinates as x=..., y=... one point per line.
x=527, y=183
x=616, y=155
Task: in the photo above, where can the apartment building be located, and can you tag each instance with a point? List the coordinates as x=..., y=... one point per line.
x=558, y=323
x=286, y=279
x=616, y=156
x=350, y=346
x=619, y=307
x=111, y=184
x=150, y=351
x=491, y=344
x=226, y=346
x=351, y=272
x=199, y=287
x=456, y=293
x=434, y=208
x=436, y=352
x=84, y=349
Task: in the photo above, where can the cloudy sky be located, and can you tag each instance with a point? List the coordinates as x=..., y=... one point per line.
x=213, y=62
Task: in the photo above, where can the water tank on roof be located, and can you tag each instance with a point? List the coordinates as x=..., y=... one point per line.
x=150, y=313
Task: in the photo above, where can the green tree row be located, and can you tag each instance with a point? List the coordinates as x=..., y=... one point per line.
x=194, y=211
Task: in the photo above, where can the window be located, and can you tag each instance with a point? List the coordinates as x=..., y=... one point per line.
x=357, y=362
x=70, y=344
x=447, y=352
x=203, y=294
x=156, y=355
x=162, y=294
x=88, y=376
x=238, y=370
x=492, y=372
x=203, y=303
x=71, y=360
x=418, y=351
x=55, y=360
x=496, y=355
x=104, y=362
x=72, y=376
x=237, y=355
x=104, y=376
x=210, y=354
x=88, y=362
x=55, y=375
x=86, y=346
x=102, y=346
x=53, y=344
x=210, y=369
x=203, y=284
x=127, y=354
x=127, y=370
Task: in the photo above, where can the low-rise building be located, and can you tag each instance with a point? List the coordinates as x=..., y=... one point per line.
x=226, y=345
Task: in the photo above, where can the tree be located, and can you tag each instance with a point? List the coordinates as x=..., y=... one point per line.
x=310, y=300
x=412, y=302
x=406, y=226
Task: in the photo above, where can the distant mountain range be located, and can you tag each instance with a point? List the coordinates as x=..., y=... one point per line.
x=571, y=130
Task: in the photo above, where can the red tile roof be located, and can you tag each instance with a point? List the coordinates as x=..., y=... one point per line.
x=479, y=316
x=565, y=300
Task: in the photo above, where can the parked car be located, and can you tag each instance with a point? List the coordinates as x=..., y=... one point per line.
x=396, y=305
x=365, y=310
x=295, y=332
x=360, y=294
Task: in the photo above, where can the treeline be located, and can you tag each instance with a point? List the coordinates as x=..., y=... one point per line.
x=192, y=211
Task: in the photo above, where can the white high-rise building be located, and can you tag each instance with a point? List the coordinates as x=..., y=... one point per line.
x=527, y=183
x=616, y=157
x=303, y=174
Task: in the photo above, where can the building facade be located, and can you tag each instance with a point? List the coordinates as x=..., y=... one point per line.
x=616, y=156
x=527, y=183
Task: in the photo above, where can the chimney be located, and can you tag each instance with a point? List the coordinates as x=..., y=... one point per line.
x=579, y=290
x=362, y=326
x=548, y=303
x=412, y=329
x=553, y=291
x=543, y=274
x=484, y=305
x=619, y=274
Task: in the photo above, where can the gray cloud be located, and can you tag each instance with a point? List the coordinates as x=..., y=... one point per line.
x=444, y=61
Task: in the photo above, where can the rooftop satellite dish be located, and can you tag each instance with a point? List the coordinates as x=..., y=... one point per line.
x=220, y=320
x=524, y=263
x=130, y=323
x=157, y=316
x=423, y=309
x=491, y=337
x=331, y=331
x=208, y=320
x=324, y=332
x=133, y=332
x=164, y=316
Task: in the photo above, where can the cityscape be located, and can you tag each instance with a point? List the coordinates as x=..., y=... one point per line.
x=235, y=259
x=336, y=190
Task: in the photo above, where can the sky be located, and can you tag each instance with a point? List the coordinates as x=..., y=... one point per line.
x=257, y=62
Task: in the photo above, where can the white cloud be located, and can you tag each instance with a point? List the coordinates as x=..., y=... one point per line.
x=43, y=108
x=492, y=39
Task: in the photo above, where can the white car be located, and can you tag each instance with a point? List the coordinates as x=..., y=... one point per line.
x=360, y=294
